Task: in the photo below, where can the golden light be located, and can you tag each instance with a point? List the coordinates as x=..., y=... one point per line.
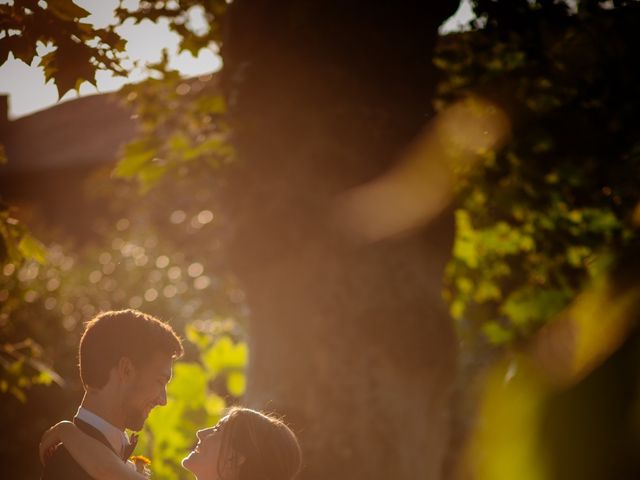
x=507, y=439
x=423, y=182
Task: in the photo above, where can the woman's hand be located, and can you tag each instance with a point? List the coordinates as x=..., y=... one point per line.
x=50, y=439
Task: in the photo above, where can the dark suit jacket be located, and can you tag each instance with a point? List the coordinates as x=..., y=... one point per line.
x=62, y=466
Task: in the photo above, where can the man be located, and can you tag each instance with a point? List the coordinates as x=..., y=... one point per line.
x=126, y=359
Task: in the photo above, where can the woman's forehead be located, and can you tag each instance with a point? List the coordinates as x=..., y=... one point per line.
x=218, y=426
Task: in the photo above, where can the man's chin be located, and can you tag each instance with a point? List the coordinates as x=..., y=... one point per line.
x=136, y=424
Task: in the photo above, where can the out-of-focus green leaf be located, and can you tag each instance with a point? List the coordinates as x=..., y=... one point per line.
x=32, y=249
x=236, y=383
x=136, y=156
x=214, y=405
x=224, y=354
x=189, y=383
x=533, y=304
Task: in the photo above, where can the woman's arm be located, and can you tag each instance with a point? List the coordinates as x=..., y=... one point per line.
x=94, y=458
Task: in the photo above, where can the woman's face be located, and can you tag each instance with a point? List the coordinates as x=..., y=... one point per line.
x=202, y=461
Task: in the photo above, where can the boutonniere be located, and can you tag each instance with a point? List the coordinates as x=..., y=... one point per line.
x=142, y=464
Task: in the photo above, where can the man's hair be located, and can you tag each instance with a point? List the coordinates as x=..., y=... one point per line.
x=126, y=333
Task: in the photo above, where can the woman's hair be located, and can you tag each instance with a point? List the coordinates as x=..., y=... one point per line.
x=269, y=447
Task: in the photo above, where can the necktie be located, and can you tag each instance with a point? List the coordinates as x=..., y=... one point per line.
x=128, y=449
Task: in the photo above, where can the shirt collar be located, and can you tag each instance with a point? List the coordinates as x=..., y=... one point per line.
x=116, y=437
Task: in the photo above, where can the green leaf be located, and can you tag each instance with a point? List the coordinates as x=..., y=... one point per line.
x=225, y=355
x=179, y=142
x=189, y=384
x=32, y=249
x=45, y=373
x=136, y=155
x=212, y=104
x=197, y=337
x=529, y=306
x=496, y=333
x=8, y=233
x=214, y=405
x=150, y=175
x=236, y=383
x=43, y=378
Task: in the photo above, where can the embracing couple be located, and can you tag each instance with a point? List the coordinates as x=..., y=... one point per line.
x=126, y=360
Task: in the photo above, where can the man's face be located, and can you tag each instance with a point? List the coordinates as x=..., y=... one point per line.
x=147, y=389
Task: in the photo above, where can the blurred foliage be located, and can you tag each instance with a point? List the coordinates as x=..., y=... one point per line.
x=568, y=406
x=194, y=399
x=182, y=121
x=21, y=364
x=182, y=128
x=17, y=244
x=559, y=202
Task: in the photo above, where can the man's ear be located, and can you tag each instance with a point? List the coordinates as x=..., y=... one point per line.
x=125, y=369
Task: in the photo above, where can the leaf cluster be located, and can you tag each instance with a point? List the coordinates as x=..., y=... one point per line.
x=178, y=13
x=76, y=48
x=22, y=367
x=182, y=128
x=559, y=203
x=17, y=244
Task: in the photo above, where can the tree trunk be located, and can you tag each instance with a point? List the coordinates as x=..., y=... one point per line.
x=349, y=340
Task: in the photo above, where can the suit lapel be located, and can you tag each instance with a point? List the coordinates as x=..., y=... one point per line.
x=94, y=432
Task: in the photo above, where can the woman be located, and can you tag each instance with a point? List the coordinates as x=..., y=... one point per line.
x=244, y=445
